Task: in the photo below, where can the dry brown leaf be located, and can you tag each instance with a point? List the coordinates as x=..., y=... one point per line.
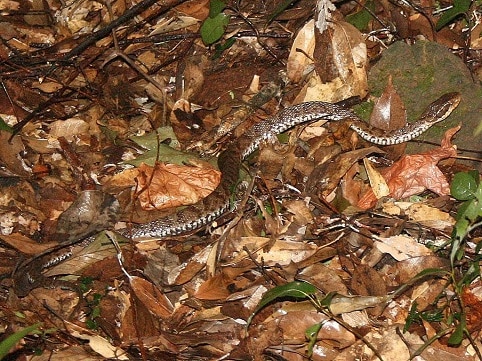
x=328, y=175
x=430, y=216
x=405, y=270
x=343, y=304
x=324, y=278
x=402, y=247
x=25, y=244
x=414, y=173
x=69, y=128
x=186, y=271
x=377, y=182
x=472, y=298
x=389, y=112
x=155, y=301
x=299, y=61
x=280, y=253
x=98, y=344
x=426, y=292
x=351, y=186
x=215, y=288
x=172, y=185
x=7, y=5
x=9, y=150
x=300, y=210
x=198, y=9
x=48, y=87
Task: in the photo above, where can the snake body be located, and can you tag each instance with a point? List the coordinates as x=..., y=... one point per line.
x=217, y=203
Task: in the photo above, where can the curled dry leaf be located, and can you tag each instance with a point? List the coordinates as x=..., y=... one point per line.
x=346, y=64
x=405, y=270
x=294, y=323
x=342, y=304
x=186, y=271
x=155, y=301
x=299, y=61
x=170, y=185
x=99, y=344
x=402, y=247
x=325, y=178
x=389, y=112
x=377, y=182
x=414, y=173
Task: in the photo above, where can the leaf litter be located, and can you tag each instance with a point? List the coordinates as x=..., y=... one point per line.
x=192, y=296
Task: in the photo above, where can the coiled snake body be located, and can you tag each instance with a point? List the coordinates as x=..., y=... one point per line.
x=217, y=203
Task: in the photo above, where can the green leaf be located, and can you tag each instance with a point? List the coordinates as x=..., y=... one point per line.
x=430, y=272
x=311, y=335
x=4, y=126
x=463, y=186
x=297, y=289
x=458, y=335
x=361, y=18
x=468, y=276
x=213, y=29
x=220, y=48
x=216, y=7
x=160, y=151
x=460, y=7
x=432, y=315
x=12, y=340
x=413, y=316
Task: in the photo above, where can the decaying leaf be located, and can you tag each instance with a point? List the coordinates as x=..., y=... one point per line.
x=414, y=173
x=153, y=299
x=402, y=247
x=99, y=344
x=299, y=62
x=171, y=185
x=389, y=112
x=343, y=304
x=377, y=182
x=339, y=50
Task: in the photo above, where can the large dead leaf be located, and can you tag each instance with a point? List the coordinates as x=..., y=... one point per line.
x=414, y=173
x=341, y=58
x=171, y=185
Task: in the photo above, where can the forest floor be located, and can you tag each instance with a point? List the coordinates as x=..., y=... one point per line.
x=113, y=114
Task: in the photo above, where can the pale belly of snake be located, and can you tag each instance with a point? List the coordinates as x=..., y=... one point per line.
x=217, y=203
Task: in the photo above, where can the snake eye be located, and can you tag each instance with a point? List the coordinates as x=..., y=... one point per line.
x=441, y=108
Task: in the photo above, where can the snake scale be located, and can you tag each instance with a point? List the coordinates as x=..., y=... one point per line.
x=193, y=217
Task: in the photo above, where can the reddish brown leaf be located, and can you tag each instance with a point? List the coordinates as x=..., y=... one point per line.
x=171, y=185
x=215, y=288
x=389, y=111
x=154, y=300
x=414, y=173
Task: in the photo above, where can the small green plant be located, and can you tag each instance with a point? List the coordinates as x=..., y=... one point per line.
x=4, y=126
x=7, y=344
x=460, y=7
x=331, y=304
x=465, y=187
x=93, y=303
x=214, y=26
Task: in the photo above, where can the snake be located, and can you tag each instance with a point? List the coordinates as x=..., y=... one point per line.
x=218, y=203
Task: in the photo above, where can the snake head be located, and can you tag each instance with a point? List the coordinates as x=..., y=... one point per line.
x=441, y=108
